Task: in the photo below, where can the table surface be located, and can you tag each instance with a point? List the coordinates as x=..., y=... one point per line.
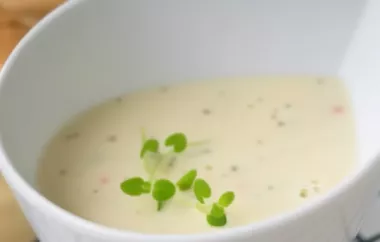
x=13, y=226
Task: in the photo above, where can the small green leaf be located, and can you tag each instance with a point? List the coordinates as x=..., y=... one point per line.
x=150, y=145
x=133, y=186
x=186, y=182
x=163, y=190
x=216, y=221
x=217, y=211
x=226, y=199
x=201, y=190
x=178, y=141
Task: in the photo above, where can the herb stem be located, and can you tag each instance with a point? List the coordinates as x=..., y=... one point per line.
x=160, y=205
x=150, y=166
x=198, y=143
x=203, y=208
x=144, y=138
x=152, y=169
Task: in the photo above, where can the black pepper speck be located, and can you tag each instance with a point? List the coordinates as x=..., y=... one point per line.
x=172, y=161
x=206, y=151
x=163, y=89
x=251, y=106
x=72, y=136
x=274, y=114
x=206, y=111
x=281, y=124
x=62, y=172
x=208, y=167
x=112, y=138
x=234, y=168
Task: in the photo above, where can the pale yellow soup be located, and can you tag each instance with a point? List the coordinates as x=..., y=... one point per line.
x=276, y=142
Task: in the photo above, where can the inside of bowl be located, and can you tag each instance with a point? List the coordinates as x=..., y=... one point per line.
x=361, y=73
x=98, y=50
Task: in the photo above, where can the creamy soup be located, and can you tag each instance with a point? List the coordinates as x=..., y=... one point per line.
x=275, y=142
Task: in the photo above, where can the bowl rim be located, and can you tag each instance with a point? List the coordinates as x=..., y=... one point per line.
x=83, y=226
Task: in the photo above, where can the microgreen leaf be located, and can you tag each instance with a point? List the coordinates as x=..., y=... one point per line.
x=202, y=190
x=163, y=190
x=150, y=145
x=133, y=186
x=216, y=221
x=217, y=211
x=186, y=182
x=178, y=141
x=226, y=199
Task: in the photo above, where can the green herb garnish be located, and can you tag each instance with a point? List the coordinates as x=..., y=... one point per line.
x=217, y=211
x=135, y=186
x=186, y=182
x=217, y=216
x=202, y=190
x=162, y=190
x=178, y=141
x=216, y=221
x=226, y=199
x=150, y=145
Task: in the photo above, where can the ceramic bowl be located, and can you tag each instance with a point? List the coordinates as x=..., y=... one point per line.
x=89, y=50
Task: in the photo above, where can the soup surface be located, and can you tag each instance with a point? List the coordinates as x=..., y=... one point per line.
x=276, y=142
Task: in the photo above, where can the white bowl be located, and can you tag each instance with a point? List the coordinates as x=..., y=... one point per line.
x=90, y=50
